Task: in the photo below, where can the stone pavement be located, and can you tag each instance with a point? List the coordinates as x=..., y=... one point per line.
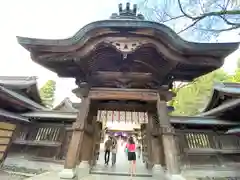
x=8, y=176
x=24, y=161
x=121, y=167
x=53, y=176
x=106, y=177
x=120, y=171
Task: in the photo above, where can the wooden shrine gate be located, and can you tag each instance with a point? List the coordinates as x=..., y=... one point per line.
x=84, y=144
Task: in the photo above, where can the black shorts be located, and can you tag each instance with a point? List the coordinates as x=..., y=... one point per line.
x=131, y=156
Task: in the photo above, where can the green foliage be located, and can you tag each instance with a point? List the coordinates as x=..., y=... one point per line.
x=47, y=93
x=236, y=77
x=238, y=63
x=193, y=97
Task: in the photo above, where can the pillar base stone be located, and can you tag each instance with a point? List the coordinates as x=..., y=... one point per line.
x=83, y=169
x=157, y=171
x=83, y=164
x=67, y=174
x=177, y=177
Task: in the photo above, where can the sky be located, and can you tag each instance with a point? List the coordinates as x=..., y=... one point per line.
x=55, y=19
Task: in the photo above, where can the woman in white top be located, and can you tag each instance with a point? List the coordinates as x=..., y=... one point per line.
x=114, y=154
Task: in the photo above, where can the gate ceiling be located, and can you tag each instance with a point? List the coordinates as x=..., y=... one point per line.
x=122, y=116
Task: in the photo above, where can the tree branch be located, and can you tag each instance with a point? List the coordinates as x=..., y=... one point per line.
x=221, y=14
x=191, y=25
x=220, y=30
x=204, y=15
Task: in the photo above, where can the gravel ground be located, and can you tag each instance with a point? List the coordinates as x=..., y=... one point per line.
x=22, y=169
x=11, y=176
x=8, y=176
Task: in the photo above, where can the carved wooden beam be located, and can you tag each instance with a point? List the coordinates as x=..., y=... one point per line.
x=161, y=48
x=121, y=75
x=116, y=106
x=122, y=94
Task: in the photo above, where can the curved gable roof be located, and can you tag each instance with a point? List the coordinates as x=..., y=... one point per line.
x=224, y=97
x=27, y=84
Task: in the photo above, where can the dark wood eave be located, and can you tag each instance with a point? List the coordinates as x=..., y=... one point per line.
x=143, y=28
x=27, y=84
x=71, y=116
x=51, y=115
x=157, y=50
x=205, y=120
x=235, y=130
x=9, y=116
x=20, y=99
x=222, y=92
x=221, y=109
x=21, y=82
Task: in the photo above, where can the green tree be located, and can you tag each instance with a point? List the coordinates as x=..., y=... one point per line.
x=192, y=97
x=236, y=76
x=47, y=93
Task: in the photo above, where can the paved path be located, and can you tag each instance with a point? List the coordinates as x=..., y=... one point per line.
x=121, y=167
x=106, y=177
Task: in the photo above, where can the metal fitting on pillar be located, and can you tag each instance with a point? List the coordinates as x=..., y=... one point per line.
x=166, y=130
x=77, y=126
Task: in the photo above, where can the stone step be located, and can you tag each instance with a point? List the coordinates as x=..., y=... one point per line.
x=120, y=173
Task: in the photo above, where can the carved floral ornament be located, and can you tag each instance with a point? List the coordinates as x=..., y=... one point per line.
x=126, y=46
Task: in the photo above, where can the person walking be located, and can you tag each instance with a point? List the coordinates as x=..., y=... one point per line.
x=139, y=150
x=126, y=149
x=107, y=148
x=131, y=156
x=114, y=154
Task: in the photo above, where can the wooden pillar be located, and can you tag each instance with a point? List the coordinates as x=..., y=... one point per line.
x=77, y=136
x=168, y=138
x=86, y=151
x=157, y=157
x=149, y=144
x=97, y=141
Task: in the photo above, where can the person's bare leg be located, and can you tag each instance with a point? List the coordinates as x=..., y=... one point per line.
x=132, y=165
x=134, y=168
x=130, y=168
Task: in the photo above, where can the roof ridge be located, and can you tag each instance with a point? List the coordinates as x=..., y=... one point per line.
x=18, y=77
x=22, y=98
